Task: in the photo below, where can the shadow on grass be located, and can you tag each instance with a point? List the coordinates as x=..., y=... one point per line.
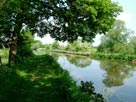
x=35, y=80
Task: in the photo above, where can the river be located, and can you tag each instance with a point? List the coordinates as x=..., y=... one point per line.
x=114, y=79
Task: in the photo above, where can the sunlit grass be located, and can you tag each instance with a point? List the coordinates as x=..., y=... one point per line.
x=4, y=53
x=39, y=51
x=35, y=80
x=4, y=60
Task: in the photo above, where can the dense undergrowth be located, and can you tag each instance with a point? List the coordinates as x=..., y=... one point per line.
x=41, y=79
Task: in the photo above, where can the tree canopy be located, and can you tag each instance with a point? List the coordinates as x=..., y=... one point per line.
x=2, y=3
x=64, y=20
x=132, y=43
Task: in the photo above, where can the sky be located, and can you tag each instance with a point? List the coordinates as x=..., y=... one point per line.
x=128, y=15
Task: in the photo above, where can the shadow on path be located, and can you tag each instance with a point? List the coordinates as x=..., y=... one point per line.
x=35, y=80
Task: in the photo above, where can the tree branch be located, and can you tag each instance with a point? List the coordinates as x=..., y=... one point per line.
x=46, y=5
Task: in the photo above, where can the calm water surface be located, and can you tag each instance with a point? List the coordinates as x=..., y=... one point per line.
x=116, y=80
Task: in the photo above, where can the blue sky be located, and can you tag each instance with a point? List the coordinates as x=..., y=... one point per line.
x=128, y=15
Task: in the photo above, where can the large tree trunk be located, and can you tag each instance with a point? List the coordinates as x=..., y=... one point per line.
x=12, y=50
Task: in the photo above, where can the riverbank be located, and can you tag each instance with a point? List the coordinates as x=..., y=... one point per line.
x=40, y=79
x=124, y=57
x=72, y=52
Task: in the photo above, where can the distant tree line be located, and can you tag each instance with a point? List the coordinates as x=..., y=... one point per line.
x=118, y=39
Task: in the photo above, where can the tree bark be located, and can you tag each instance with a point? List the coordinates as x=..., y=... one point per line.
x=12, y=50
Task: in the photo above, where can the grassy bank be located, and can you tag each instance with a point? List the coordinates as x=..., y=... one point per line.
x=115, y=56
x=125, y=57
x=40, y=79
x=4, y=55
x=31, y=81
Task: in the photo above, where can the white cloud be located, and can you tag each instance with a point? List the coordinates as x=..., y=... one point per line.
x=129, y=19
x=97, y=40
x=45, y=40
x=125, y=17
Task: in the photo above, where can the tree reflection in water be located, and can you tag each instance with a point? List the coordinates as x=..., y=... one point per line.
x=79, y=61
x=116, y=72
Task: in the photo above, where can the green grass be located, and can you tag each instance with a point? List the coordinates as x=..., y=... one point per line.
x=35, y=80
x=4, y=55
x=125, y=57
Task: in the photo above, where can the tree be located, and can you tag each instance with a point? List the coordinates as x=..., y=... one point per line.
x=132, y=43
x=79, y=46
x=116, y=39
x=25, y=42
x=36, y=44
x=55, y=45
x=62, y=19
x=121, y=48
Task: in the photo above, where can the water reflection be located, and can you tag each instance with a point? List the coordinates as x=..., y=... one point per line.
x=116, y=72
x=79, y=61
x=116, y=80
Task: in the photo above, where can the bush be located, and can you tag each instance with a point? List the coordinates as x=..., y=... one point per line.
x=70, y=92
x=25, y=40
